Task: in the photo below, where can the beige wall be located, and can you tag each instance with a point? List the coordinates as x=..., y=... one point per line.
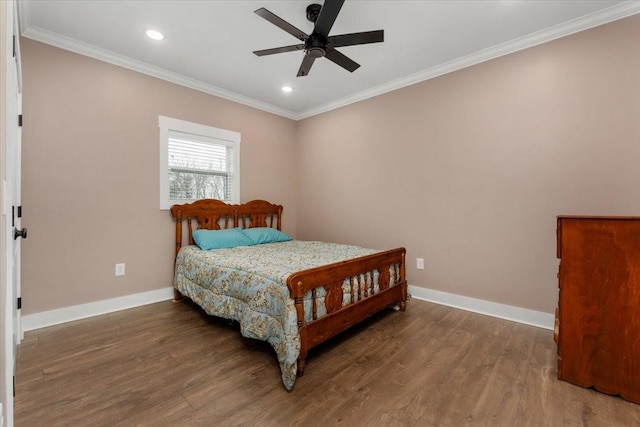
x=90, y=177
x=469, y=170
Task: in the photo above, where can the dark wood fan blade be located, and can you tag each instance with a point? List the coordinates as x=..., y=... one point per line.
x=281, y=23
x=307, y=62
x=342, y=60
x=327, y=17
x=279, y=50
x=356, y=38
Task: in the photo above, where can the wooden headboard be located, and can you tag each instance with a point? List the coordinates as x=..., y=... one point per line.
x=214, y=214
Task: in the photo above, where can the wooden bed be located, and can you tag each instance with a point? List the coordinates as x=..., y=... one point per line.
x=337, y=315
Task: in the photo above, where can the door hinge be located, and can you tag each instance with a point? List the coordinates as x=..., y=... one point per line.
x=13, y=216
x=14, y=386
x=14, y=46
x=19, y=305
x=20, y=120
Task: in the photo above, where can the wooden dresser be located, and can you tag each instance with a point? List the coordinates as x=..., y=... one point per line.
x=598, y=316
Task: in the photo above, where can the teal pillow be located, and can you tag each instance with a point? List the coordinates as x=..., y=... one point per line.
x=221, y=239
x=261, y=235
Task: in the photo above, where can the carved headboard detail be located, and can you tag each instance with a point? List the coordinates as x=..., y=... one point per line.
x=259, y=213
x=214, y=214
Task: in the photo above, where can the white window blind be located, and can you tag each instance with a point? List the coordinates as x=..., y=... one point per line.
x=197, y=162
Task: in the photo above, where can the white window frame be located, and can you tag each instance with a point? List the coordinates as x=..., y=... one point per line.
x=226, y=137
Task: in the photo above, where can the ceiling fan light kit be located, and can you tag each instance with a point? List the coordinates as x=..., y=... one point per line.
x=319, y=44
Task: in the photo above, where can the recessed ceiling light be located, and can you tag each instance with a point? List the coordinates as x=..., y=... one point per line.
x=287, y=89
x=156, y=35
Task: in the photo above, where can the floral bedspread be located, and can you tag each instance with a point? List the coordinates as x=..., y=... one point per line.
x=249, y=284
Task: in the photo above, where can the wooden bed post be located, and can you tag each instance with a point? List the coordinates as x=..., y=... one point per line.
x=279, y=218
x=178, y=232
x=403, y=289
x=177, y=296
x=302, y=357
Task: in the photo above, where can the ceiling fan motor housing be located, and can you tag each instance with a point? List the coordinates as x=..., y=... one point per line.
x=316, y=46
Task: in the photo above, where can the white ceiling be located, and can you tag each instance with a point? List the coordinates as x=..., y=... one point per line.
x=208, y=45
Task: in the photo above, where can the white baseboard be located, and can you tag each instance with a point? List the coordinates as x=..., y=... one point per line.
x=502, y=311
x=82, y=311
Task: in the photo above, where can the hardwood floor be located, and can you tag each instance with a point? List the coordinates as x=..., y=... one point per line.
x=168, y=364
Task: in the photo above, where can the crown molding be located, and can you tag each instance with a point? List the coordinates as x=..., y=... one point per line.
x=66, y=43
x=570, y=27
x=605, y=16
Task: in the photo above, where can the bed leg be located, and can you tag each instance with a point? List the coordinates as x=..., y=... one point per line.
x=301, y=365
x=403, y=305
x=177, y=296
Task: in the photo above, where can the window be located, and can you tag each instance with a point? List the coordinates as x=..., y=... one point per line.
x=197, y=162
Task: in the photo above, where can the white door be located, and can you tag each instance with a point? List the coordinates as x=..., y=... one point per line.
x=19, y=233
x=11, y=334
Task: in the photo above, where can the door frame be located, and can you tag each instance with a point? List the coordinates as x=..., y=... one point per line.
x=9, y=177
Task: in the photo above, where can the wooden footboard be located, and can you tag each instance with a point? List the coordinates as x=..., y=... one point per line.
x=366, y=297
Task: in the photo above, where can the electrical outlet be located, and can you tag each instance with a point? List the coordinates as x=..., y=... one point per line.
x=420, y=263
x=120, y=269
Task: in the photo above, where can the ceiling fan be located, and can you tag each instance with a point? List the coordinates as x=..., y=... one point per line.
x=319, y=43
